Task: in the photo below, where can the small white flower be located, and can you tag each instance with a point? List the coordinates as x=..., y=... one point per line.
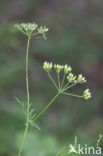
x=81, y=79
x=27, y=27
x=47, y=66
x=67, y=69
x=58, y=68
x=86, y=94
x=42, y=29
x=71, y=78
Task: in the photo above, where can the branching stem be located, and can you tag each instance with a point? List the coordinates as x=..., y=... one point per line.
x=63, y=81
x=27, y=83
x=64, y=88
x=23, y=138
x=52, y=80
x=72, y=95
x=28, y=102
x=58, y=76
x=46, y=107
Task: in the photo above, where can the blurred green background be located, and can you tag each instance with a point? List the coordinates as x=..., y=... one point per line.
x=75, y=38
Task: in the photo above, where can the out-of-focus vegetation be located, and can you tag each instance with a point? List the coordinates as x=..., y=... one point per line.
x=75, y=38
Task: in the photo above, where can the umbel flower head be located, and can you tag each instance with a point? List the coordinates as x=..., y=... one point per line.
x=81, y=79
x=42, y=29
x=32, y=29
x=58, y=68
x=26, y=26
x=70, y=78
x=67, y=69
x=47, y=66
x=86, y=94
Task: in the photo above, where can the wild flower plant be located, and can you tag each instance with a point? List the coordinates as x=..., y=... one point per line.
x=69, y=79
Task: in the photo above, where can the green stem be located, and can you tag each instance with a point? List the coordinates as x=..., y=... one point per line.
x=22, y=141
x=46, y=107
x=65, y=85
x=69, y=86
x=58, y=80
x=52, y=80
x=63, y=81
x=33, y=35
x=28, y=103
x=27, y=83
x=72, y=95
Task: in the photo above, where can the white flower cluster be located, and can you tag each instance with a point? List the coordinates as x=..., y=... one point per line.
x=86, y=94
x=29, y=28
x=26, y=26
x=47, y=66
x=74, y=79
x=71, y=78
x=81, y=79
x=67, y=69
x=42, y=29
x=58, y=68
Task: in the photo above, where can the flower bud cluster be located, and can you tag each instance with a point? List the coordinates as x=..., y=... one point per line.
x=58, y=68
x=42, y=29
x=26, y=26
x=81, y=79
x=29, y=28
x=71, y=78
x=67, y=69
x=47, y=66
x=86, y=94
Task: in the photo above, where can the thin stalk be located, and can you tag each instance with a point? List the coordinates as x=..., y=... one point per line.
x=27, y=83
x=65, y=85
x=52, y=80
x=37, y=37
x=72, y=95
x=58, y=154
x=33, y=35
x=28, y=103
x=23, y=32
x=23, y=138
x=75, y=143
x=63, y=80
x=58, y=80
x=46, y=107
x=69, y=86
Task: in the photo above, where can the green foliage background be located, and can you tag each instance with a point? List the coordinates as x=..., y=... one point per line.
x=75, y=38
